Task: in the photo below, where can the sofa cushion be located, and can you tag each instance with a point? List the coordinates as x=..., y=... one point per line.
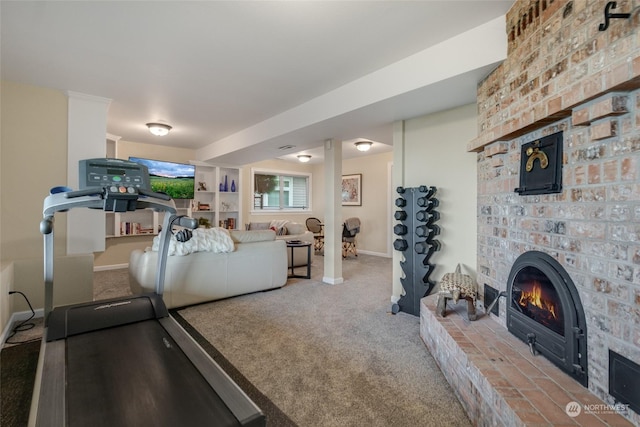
x=251, y=236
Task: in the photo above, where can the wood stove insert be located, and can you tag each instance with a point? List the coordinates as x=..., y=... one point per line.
x=544, y=310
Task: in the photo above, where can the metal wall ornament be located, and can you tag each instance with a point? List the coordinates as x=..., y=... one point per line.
x=541, y=166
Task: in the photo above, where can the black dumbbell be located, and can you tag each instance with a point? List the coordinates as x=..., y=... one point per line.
x=427, y=248
x=425, y=202
x=400, y=202
x=428, y=217
x=427, y=231
x=400, y=229
x=429, y=191
x=428, y=203
x=400, y=190
x=400, y=215
x=422, y=247
x=400, y=245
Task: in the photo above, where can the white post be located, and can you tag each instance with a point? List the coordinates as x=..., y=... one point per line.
x=87, y=130
x=333, y=213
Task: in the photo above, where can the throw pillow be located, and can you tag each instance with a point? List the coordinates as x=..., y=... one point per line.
x=258, y=226
x=280, y=231
x=294, y=228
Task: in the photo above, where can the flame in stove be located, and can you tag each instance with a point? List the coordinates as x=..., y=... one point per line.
x=535, y=298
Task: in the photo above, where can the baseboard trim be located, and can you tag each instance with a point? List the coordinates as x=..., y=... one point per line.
x=16, y=317
x=110, y=267
x=333, y=280
x=380, y=254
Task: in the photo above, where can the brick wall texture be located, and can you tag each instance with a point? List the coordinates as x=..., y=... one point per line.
x=563, y=74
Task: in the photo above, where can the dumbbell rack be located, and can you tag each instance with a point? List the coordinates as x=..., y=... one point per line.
x=416, y=241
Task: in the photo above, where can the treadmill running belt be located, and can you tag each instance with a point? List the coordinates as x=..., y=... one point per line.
x=135, y=375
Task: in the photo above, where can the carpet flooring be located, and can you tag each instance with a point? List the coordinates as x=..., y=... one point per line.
x=309, y=354
x=18, y=371
x=333, y=355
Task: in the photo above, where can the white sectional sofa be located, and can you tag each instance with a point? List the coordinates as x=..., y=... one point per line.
x=259, y=262
x=287, y=230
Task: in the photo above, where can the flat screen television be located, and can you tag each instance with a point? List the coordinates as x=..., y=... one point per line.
x=175, y=179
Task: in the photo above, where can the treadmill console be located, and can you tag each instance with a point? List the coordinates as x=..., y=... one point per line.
x=121, y=182
x=114, y=175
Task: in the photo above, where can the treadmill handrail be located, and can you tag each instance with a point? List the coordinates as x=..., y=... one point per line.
x=59, y=202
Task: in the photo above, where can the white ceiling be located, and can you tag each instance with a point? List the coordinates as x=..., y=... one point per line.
x=223, y=72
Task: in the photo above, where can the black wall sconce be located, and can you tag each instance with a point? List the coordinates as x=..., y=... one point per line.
x=607, y=15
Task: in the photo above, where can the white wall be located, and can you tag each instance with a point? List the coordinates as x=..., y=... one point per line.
x=434, y=154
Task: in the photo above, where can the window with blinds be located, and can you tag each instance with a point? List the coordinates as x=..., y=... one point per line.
x=277, y=190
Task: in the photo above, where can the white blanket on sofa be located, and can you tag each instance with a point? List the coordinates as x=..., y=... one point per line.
x=204, y=240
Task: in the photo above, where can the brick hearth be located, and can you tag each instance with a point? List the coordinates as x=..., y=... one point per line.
x=563, y=75
x=498, y=381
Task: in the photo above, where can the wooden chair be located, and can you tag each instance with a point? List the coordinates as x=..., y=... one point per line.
x=315, y=226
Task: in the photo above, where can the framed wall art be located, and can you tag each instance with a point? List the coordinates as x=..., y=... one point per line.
x=352, y=190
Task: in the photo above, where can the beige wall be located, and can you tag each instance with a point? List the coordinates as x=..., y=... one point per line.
x=34, y=159
x=117, y=249
x=124, y=149
x=374, y=212
x=276, y=165
x=435, y=154
x=375, y=230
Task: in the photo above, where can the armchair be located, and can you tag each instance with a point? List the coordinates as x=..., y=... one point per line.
x=315, y=226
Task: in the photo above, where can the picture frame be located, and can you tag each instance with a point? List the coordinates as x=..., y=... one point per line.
x=352, y=190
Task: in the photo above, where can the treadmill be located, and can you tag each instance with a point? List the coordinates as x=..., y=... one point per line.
x=126, y=361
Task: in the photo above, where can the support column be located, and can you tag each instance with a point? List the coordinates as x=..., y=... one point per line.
x=87, y=133
x=398, y=181
x=333, y=213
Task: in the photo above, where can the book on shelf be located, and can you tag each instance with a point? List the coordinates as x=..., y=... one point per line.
x=229, y=223
x=133, y=228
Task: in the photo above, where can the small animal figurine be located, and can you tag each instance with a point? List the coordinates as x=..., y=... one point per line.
x=455, y=286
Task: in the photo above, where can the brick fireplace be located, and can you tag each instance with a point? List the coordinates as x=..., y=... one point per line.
x=561, y=75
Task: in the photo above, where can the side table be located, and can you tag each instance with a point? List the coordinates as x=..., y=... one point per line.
x=299, y=244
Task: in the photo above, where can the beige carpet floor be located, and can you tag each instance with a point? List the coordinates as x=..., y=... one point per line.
x=333, y=355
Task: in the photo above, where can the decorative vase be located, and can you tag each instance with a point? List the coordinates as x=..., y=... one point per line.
x=221, y=187
x=233, y=186
x=226, y=184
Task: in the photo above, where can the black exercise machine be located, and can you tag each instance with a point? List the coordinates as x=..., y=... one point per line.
x=126, y=361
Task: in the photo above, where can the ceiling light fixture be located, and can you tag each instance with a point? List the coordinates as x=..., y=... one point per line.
x=304, y=158
x=363, y=145
x=158, y=129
